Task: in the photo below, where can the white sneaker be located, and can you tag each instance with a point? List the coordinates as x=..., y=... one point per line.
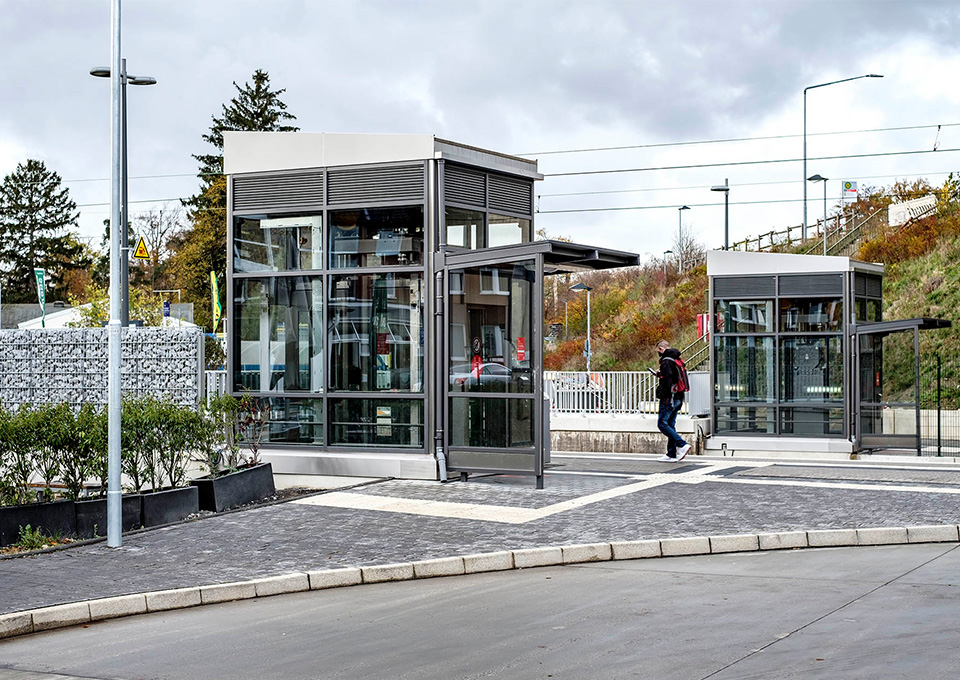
x=683, y=451
x=666, y=459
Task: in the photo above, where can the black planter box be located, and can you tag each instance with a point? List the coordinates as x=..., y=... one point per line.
x=237, y=488
x=92, y=515
x=50, y=518
x=164, y=507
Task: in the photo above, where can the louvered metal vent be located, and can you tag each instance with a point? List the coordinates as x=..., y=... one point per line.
x=811, y=284
x=734, y=287
x=362, y=185
x=278, y=192
x=511, y=194
x=464, y=186
x=874, y=287
x=859, y=285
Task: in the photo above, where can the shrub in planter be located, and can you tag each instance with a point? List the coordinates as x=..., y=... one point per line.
x=138, y=427
x=18, y=435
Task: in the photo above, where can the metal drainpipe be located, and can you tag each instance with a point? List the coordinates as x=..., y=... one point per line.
x=440, y=373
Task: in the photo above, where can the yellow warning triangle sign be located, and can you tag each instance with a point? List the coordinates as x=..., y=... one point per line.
x=141, y=252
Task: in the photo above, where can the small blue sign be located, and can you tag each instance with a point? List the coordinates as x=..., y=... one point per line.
x=166, y=308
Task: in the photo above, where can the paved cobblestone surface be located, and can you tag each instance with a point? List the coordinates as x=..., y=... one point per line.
x=297, y=537
x=855, y=474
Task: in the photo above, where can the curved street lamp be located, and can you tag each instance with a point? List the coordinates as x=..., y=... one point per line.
x=680, y=236
x=726, y=211
x=587, y=351
x=818, y=178
x=125, y=78
x=813, y=87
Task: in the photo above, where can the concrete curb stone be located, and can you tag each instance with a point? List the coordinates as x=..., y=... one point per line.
x=782, y=540
x=18, y=623
x=279, y=585
x=831, y=538
x=693, y=545
x=227, y=592
x=932, y=534
x=387, y=572
x=635, y=550
x=443, y=566
x=179, y=598
x=537, y=557
x=882, y=536
x=334, y=578
x=483, y=562
x=61, y=616
x=587, y=552
x=115, y=607
x=734, y=543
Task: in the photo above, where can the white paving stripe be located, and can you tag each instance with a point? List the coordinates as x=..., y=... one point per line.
x=506, y=514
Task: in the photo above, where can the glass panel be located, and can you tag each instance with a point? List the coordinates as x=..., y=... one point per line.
x=376, y=332
x=277, y=243
x=377, y=422
x=278, y=341
x=745, y=369
x=491, y=422
x=811, y=316
x=464, y=228
x=373, y=237
x=490, y=328
x=505, y=231
x=874, y=310
x=758, y=419
x=290, y=421
x=871, y=419
x=811, y=369
x=811, y=421
x=755, y=316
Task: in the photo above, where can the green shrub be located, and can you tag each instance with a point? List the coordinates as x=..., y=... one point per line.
x=216, y=441
x=21, y=452
x=137, y=442
x=91, y=433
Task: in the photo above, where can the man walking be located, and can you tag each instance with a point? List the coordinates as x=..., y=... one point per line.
x=670, y=391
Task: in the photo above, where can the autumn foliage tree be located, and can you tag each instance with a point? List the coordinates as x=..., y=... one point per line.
x=202, y=247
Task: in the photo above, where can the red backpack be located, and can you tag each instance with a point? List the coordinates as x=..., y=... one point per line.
x=683, y=380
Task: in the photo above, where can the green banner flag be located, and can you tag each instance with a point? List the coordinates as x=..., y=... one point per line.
x=41, y=295
x=217, y=310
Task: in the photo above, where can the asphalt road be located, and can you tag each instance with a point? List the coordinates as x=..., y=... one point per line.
x=872, y=613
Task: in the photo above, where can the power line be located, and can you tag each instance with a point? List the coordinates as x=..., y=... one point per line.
x=732, y=186
x=731, y=163
x=737, y=139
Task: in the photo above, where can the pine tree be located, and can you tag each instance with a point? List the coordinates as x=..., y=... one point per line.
x=203, y=248
x=36, y=212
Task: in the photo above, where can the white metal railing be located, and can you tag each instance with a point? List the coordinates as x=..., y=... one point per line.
x=610, y=392
x=215, y=384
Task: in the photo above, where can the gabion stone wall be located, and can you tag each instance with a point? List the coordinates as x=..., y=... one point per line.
x=69, y=365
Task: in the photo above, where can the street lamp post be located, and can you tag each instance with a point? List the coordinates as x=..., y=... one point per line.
x=587, y=351
x=818, y=178
x=726, y=211
x=104, y=72
x=813, y=87
x=680, y=235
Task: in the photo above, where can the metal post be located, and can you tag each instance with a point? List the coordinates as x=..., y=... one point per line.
x=589, y=348
x=824, y=217
x=804, y=232
x=726, y=215
x=125, y=205
x=939, y=428
x=114, y=508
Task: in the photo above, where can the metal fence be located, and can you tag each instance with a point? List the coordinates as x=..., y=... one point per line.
x=939, y=401
x=215, y=384
x=615, y=392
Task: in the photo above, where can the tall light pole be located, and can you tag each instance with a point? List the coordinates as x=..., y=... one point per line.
x=726, y=211
x=813, y=87
x=105, y=72
x=818, y=178
x=680, y=235
x=587, y=351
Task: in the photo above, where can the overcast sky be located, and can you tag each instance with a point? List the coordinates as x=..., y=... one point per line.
x=516, y=76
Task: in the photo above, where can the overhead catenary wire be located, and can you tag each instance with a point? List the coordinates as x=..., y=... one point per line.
x=660, y=145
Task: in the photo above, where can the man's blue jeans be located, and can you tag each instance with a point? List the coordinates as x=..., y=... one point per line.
x=667, y=424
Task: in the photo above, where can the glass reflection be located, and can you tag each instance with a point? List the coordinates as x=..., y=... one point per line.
x=464, y=228
x=506, y=231
x=376, y=332
x=371, y=422
x=753, y=316
x=811, y=369
x=278, y=339
x=277, y=243
x=491, y=422
x=745, y=369
x=373, y=237
x=810, y=316
x=491, y=322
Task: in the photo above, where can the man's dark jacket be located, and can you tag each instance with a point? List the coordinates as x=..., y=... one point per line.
x=669, y=375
